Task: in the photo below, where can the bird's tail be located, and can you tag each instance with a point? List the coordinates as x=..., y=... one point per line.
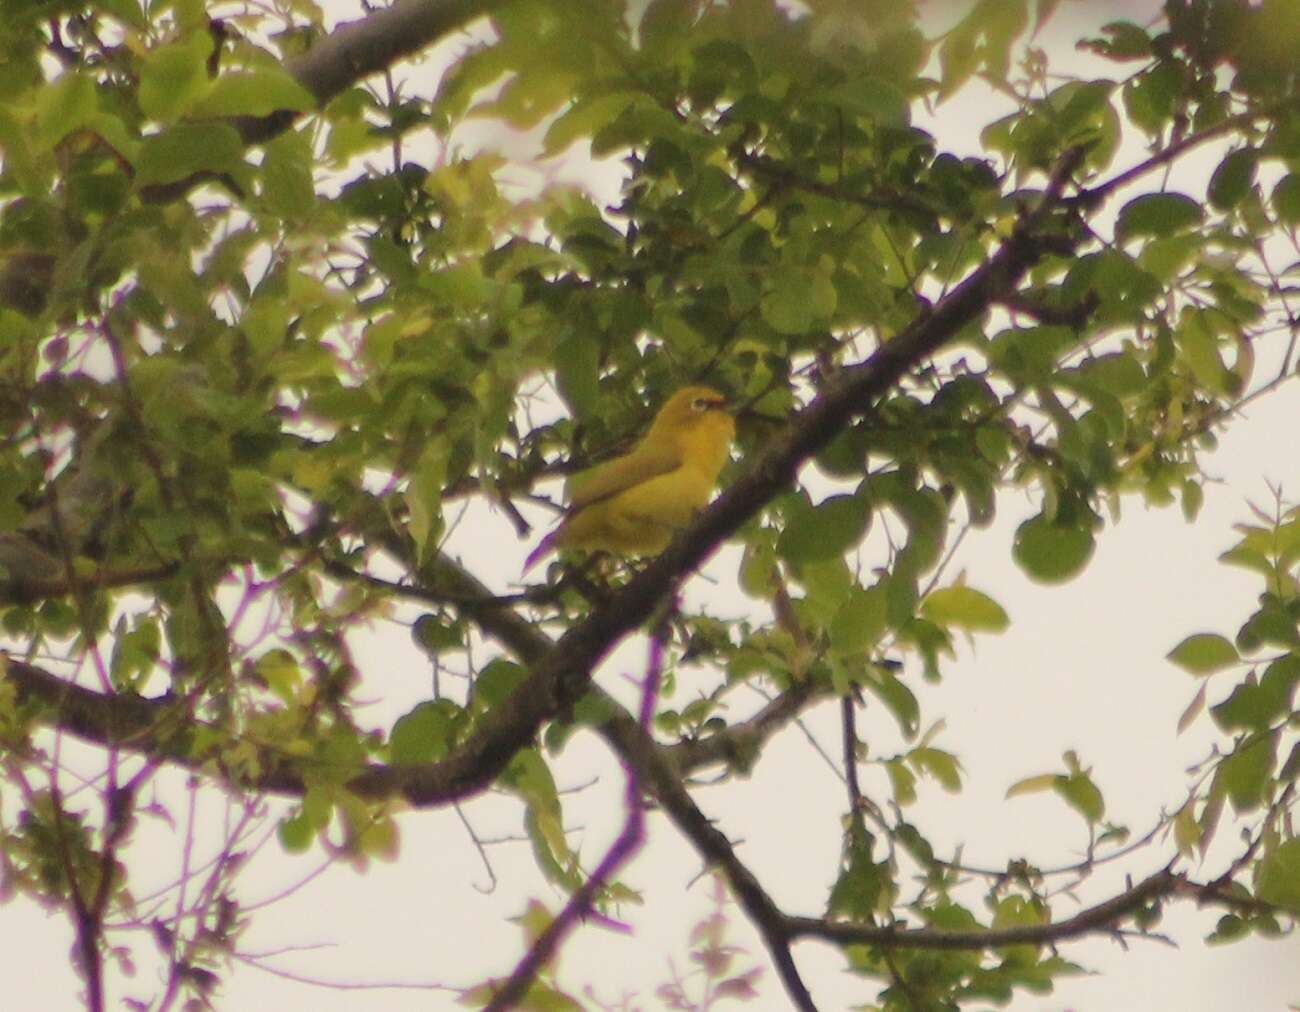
x=543, y=549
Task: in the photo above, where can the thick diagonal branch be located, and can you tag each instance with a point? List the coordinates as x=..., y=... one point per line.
x=163, y=726
x=356, y=49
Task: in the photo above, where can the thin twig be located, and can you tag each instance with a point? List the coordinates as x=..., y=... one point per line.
x=625, y=845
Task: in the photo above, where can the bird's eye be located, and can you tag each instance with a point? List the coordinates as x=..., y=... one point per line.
x=700, y=404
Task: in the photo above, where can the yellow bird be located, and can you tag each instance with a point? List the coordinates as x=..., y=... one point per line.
x=633, y=504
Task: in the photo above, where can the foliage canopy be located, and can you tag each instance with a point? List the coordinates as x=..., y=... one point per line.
x=266, y=362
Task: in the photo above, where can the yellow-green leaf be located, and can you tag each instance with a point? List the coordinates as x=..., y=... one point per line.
x=966, y=608
x=1204, y=654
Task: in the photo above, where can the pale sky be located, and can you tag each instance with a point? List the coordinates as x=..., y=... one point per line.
x=1082, y=667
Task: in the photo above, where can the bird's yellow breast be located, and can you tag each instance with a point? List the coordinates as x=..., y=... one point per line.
x=640, y=520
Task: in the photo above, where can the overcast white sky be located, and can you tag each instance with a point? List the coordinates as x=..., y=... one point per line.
x=1081, y=667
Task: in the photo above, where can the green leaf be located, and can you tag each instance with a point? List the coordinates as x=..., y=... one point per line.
x=874, y=98
x=1233, y=179
x=1157, y=214
x=824, y=531
x=530, y=777
x=1229, y=928
x=966, y=608
x=1119, y=374
x=1277, y=879
x=1150, y=99
x=1033, y=785
x=281, y=672
x=1081, y=794
x=460, y=286
x=187, y=148
x=126, y=11
x=902, y=782
x=424, y=496
x=577, y=373
x=174, y=76
x=860, y=622
x=296, y=833
x=1255, y=706
x=1286, y=200
x=666, y=23
x=1115, y=278
x=898, y=699
x=1187, y=831
x=1199, y=342
x=495, y=683
x=1193, y=709
x=64, y=106
x=1167, y=258
x=584, y=117
x=135, y=652
x=759, y=574
x=924, y=511
x=901, y=597
x=257, y=92
x=828, y=582
x=796, y=298
x=941, y=765
x=1076, y=789
x=589, y=711
x=1291, y=768
x=1211, y=812
x=1124, y=41
x=433, y=635
x=1017, y=911
x=857, y=891
x=528, y=99
x=1204, y=653
x=958, y=59
x=1030, y=353
x=287, y=185
x=1084, y=112
x=1246, y=771
x=426, y=733
x=1272, y=625
x=931, y=641
x=1193, y=498
x=1051, y=552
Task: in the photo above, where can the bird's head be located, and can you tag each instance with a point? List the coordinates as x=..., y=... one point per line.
x=695, y=412
x=688, y=407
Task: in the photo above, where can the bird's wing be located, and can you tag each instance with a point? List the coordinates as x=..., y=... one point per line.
x=604, y=482
x=621, y=473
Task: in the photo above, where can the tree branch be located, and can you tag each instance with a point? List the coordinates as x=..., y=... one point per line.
x=356, y=49
x=739, y=744
x=1104, y=916
x=163, y=726
x=660, y=778
x=624, y=846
